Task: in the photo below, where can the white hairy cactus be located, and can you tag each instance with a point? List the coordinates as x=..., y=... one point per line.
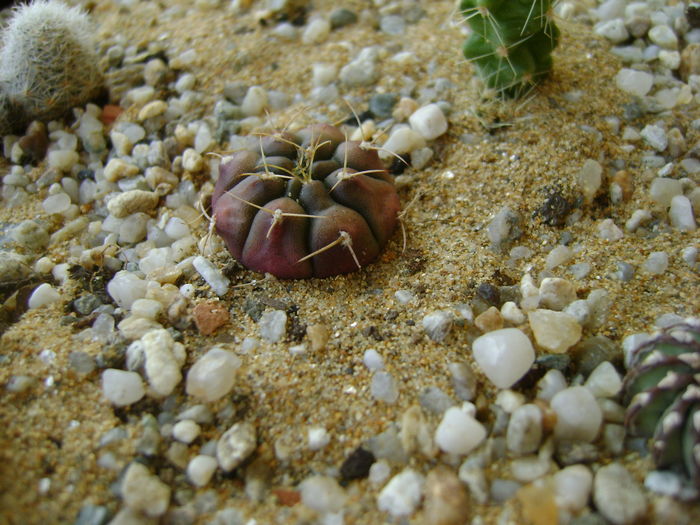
x=48, y=62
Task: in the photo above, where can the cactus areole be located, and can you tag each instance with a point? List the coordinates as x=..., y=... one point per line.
x=305, y=204
x=511, y=42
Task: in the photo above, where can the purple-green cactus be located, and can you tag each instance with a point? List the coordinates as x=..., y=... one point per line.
x=662, y=388
x=309, y=204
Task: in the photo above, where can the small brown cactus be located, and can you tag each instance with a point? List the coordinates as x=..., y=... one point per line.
x=306, y=204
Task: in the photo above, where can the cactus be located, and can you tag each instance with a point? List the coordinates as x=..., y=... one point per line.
x=662, y=388
x=511, y=42
x=48, y=62
x=308, y=204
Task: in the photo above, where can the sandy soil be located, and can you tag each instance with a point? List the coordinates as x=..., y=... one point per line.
x=53, y=432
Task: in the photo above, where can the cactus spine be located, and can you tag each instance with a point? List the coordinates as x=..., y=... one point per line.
x=511, y=42
x=48, y=62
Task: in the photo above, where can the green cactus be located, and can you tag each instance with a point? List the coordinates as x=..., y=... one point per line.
x=48, y=62
x=662, y=388
x=511, y=42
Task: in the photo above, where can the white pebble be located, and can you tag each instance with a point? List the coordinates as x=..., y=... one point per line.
x=144, y=492
x=379, y=472
x=62, y=160
x=146, y=308
x=504, y=355
x=663, y=190
x=572, y=486
x=122, y=388
x=511, y=313
x=402, y=140
x=373, y=360
x=186, y=431
x=117, y=169
x=681, y=214
x=524, y=431
x=42, y=295
x=323, y=74
x=637, y=83
x=438, y=325
x=609, y=231
x=200, y=470
x=318, y=438
x=254, y=102
x=556, y=332
x=214, y=278
x=617, y=496
x=235, y=445
x=162, y=366
x=614, y=30
x=589, y=178
x=551, y=384
x=638, y=218
x=404, y=296
x=578, y=415
x=663, y=36
x=604, y=381
x=655, y=136
x=57, y=203
x=429, y=121
x=213, y=375
x=322, y=494
x=273, y=325
x=383, y=387
x=559, y=255
x=316, y=31
x=656, y=263
x=192, y=160
x=458, y=432
x=402, y=495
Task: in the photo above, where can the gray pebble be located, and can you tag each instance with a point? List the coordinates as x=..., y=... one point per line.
x=235, y=92
x=81, y=362
x=624, y=272
x=382, y=104
x=86, y=304
x=342, y=17
x=92, y=515
x=503, y=489
x=435, y=400
x=393, y=25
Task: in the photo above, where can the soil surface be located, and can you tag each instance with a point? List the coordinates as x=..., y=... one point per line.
x=495, y=154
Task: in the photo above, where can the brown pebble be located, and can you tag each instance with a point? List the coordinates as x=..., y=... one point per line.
x=209, y=316
x=538, y=505
x=489, y=320
x=35, y=142
x=287, y=497
x=318, y=336
x=549, y=416
x=446, y=500
x=626, y=183
x=690, y=61
x=110, y=113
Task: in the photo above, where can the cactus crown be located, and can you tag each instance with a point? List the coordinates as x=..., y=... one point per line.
x=511, y=42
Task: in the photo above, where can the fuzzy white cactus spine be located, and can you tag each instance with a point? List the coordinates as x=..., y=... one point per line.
x=48, y=62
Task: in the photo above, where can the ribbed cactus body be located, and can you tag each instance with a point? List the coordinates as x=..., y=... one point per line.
x=662, y=388
x=511, y=42
x=48, y=62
